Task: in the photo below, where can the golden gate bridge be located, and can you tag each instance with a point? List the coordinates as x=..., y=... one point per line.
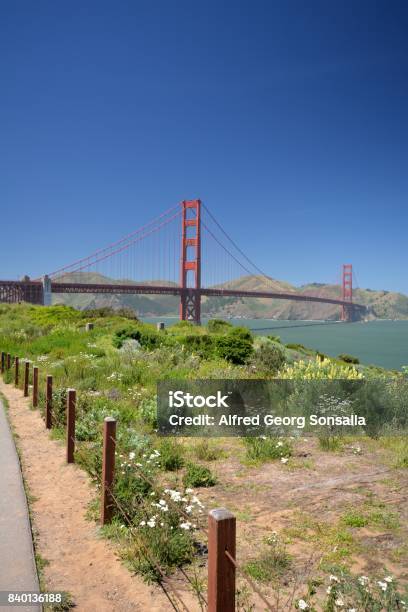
x=187, y=247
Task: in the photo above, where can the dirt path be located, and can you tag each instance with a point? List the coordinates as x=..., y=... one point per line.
x=79, y=561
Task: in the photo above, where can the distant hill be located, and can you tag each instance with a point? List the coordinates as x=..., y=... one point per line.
x=146, y=305
x=383, y=304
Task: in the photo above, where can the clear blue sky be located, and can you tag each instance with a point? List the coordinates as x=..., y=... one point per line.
x=289, y=119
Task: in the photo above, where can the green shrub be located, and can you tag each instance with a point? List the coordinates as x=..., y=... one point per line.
x=59, y=403
x=266, y=449
x=202, y=345
x=348, y=358
x=268, y=357
x=330, y=443
x=300, y=348
x=167, y=548
x=89, y=456
x=207, y=451
x=296, y=347
x=147, y=337
x=171, y=455
x=185, y=328
x=130, y=489
x=355, y=519
x=236, y=346
x=347, y=592
x=148, y=411
x=271, y=563
x=218, y=326
x=52, y=315
x=8, y=375
x=198, y=476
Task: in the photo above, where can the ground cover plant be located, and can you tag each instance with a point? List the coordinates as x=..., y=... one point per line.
x=339, y=499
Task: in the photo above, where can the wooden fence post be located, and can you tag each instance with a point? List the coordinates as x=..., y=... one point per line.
x=8, y=362
x=26, y=377
x=71, y=402
x=221, y=570
x=48, y=403
x=3, y=361
x=108, y=468
x=35, y=387
x=16, y=372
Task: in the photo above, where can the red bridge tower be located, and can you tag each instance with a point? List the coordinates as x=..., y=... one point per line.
x=190, y=262
x=347, y=292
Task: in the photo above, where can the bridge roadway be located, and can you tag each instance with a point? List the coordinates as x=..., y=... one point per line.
x=210, y=292
x=32, y=291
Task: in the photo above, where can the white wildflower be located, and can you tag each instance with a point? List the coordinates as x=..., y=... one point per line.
x=175, y=495
x=186, y=525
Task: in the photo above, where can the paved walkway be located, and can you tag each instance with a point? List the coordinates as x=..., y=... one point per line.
x=17, y=565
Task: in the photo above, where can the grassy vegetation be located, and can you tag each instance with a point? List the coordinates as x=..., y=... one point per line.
x=260, y=450
x=207, y=450
x=334, y=539
x=115, y=368
x=272, y=562
x=198, y=476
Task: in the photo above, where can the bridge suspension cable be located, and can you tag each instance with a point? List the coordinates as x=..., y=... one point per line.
x=250, y=267
x=129, y=244
x=251, y=263
x=103, y=253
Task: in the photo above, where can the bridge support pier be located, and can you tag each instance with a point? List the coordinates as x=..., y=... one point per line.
x=190, y=306
x=347, y=314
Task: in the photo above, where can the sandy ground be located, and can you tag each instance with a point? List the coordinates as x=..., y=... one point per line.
x=79, y=561
x=273, y=496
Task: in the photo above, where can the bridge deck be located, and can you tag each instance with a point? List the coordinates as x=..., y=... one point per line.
x=210, y=292
x=31, y=288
